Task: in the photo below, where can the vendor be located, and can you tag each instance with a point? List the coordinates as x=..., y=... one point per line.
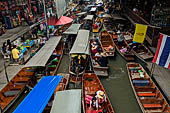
x=15, y=53
x=120, y=38
x=98, y=100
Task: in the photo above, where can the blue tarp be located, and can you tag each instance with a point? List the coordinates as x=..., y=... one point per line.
x=38, y=98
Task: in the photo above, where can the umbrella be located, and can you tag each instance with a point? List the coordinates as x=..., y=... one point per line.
x=52, y=20
x=64, y=20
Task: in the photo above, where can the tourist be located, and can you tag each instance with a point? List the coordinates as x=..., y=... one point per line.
x=4, y=48
x=94, y=49
x=103, y=61
x=93, y=102
x=9, y=45
x=98, y=99
x=15, y=53
x=96, y=39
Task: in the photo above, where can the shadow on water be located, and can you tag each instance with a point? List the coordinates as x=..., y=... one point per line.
x=64, y=65
x=118, y=87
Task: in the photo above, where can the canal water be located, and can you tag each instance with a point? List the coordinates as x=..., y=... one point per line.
x=117, y=85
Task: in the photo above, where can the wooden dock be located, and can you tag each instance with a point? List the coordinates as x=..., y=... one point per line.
x=162, y=77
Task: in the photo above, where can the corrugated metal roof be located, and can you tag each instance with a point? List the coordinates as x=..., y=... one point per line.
x=68, y=101
x=81, y=44
x=41, y=58
x=73, y=29
x=38, y=98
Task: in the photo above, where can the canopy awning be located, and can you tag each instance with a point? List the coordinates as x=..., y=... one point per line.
x=68, y=101
x=64, y=20
x=82, y=13
x=93, y=9
x=117, y=17
x=73, y=29
x=88, y=17
x=60, y=7
x=81, y=44
x=43, y=55
x=38, y=98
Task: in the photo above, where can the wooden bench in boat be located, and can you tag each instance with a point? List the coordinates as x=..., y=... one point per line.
x=152, y=105
x=146, y=94
x=21, y=79
x=139, y=82
x=145, y=89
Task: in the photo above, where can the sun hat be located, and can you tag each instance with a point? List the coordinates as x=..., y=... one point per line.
x=100, y=94
x=118, y=32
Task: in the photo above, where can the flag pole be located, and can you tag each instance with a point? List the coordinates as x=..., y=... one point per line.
x=152, y=69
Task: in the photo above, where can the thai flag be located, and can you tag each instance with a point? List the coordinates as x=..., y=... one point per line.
x=162, y=55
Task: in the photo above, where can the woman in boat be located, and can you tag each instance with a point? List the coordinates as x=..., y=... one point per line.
x=94, y=49
x=98, y=100
x=96, y=39
x=134, y=45
x=103, y=61
x=120, y=38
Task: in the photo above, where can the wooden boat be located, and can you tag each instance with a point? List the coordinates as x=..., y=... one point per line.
x=61, y=87
x=56, y=58
x=96, y=30
x=142, y=52
x=100, y=71
x=75, y=69
x=79, y=56
x=16, y=86
x=129, y=56
x=147, y=94
x=92, y=84
x=107, y=43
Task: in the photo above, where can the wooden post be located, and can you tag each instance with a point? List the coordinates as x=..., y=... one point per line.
x=6, y=74
x=152, y=69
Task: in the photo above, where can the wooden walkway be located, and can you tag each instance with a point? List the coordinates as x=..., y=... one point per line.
x=162, y=77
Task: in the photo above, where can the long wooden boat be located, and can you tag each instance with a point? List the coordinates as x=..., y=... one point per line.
x=147, y=94
x=92, y=84
x=129, y=56
x=107, y=43
x=61, y=87
x=76, y=71
x=56, y=59
x=15, y=87
x=99, y=27
x=79, y=56
x=142, y=52
x=99, y=70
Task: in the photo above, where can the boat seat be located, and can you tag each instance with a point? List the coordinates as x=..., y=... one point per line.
x=11, y=93
x=140, y=82
x=152, y=106
x=146, y=94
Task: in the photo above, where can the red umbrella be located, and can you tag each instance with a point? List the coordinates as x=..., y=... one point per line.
x=64, y=20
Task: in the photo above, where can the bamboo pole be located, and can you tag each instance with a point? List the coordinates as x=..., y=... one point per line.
x=152, y=69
